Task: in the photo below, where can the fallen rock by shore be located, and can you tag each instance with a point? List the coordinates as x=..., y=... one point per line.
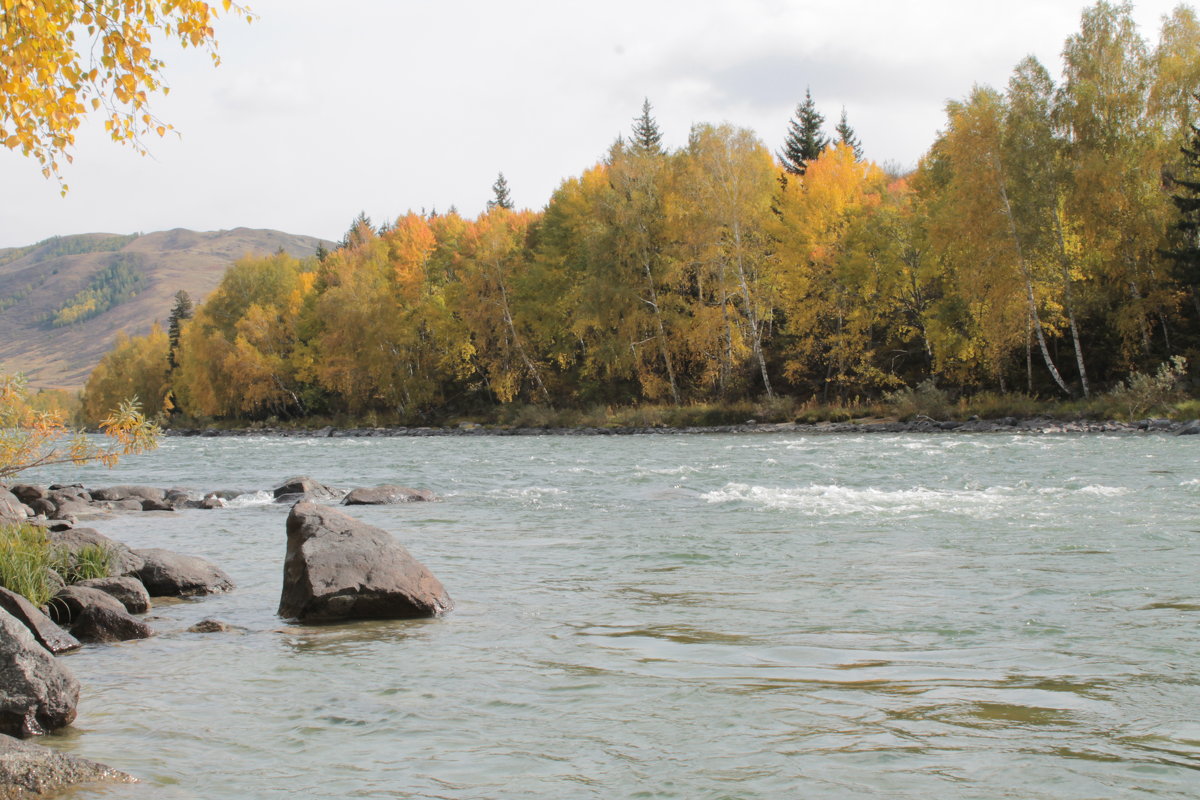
x=338, y=568
x=29, y=770
x=47, y=633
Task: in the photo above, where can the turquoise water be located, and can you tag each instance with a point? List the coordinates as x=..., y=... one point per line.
x=707, y=616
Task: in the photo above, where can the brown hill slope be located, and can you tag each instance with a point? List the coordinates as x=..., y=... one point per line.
x=37, y=281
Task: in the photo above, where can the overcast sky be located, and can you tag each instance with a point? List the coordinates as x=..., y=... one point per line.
x=321, y=110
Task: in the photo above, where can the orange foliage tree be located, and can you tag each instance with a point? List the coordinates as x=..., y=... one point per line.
x=31, y=438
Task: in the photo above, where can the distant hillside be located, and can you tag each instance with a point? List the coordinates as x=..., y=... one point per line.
x=63, y=300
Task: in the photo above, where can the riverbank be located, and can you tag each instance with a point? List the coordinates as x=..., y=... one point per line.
x=1032, y=425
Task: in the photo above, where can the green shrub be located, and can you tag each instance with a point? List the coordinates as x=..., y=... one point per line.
x=925, y=399
x=1142, y=394
x=993, y=405
x=24, y=559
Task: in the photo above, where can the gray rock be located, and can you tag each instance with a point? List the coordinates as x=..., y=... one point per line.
x=106, y=624
x=168, y=574
x=11, y=509
x=304, y=488
x=386, y=495
x=31, y=770
x=339, y=568
x=129, y=504
x=43, y=506
x=157, y=505
x=69, y=604
x=37, y=693
x=124, y=561
x=66, y=506
x=209, y=626
x=27, y=493
x=177, y=498
x=129, y=591
x=1190, y=428
x=47, y=634
x=128, y=493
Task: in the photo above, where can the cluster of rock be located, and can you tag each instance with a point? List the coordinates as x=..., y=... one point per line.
x=59, y=501
x=335, y=568
x=916, y=425
x=37, y=691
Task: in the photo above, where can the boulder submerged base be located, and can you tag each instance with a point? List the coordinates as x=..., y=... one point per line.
x=30, y=770
x=337, y=568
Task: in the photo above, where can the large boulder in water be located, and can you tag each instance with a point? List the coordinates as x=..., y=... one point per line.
x=30, y=770
x=37, y=693
x=386, y=495
x=168, y=574
x=339, y=568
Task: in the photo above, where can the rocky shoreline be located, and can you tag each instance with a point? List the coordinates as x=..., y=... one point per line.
x=335, y=568
x=1031, y=425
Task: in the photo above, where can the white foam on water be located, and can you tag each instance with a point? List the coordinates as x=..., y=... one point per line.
x=832, y=500
x=685, y=469
x=259, y=498
x=1104, y=491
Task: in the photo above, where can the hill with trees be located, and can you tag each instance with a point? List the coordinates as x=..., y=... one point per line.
x=64, y=300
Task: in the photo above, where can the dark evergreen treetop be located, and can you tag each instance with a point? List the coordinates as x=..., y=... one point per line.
x=647, y=138
x=183, y=310
x=847, y=137
x=805, y=140
x=500, y=195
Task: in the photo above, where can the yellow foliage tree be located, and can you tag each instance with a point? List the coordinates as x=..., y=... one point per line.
x=61, y=59
x=836, y=285
x=135, y=367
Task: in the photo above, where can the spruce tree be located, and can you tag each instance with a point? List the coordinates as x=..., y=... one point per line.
x=847, y=137
x=1187, y=199
x=804, y=141
x=500, y=194
x=183, y=310
x=647, y=138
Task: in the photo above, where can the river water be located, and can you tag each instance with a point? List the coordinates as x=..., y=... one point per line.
x=706, y=616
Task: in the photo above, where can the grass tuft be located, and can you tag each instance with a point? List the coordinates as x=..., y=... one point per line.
x=27, y=558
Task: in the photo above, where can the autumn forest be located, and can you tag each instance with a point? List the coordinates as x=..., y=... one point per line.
x=1047, y=244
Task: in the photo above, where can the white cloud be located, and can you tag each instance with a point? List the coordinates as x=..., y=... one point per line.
x=388, y=105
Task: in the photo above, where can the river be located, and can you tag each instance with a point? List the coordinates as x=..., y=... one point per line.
x=707, y=616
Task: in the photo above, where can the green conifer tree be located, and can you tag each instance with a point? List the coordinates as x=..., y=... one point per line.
x=1187, y=200
x=182, y=310
x=647, y=138
x=805, y=140
x=847, y=136
x=501, y=197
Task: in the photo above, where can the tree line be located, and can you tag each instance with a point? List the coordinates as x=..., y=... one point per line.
x=1046, y=243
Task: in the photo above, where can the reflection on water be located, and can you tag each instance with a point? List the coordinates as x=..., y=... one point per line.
x=683, y=617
